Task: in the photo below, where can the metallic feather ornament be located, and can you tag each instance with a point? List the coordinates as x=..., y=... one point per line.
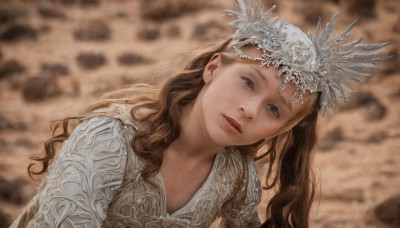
x=323, y=62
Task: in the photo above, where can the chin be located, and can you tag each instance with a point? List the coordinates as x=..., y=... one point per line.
x=220, y=137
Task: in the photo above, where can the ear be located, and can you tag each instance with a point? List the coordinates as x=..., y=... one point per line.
x=212, y=66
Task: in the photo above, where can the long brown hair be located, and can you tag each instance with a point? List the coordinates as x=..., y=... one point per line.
x=160, y=126
x=294, y=180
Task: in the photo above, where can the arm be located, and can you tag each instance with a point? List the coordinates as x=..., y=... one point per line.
x=241, y=210
x=83, y=178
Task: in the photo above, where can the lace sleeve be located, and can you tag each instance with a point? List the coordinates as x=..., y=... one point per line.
x=84, y=176
x=241, y=210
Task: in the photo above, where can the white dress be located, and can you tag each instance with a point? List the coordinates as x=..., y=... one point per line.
x=95, y=181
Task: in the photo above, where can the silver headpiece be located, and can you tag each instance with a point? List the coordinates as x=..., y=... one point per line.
x=325, y=62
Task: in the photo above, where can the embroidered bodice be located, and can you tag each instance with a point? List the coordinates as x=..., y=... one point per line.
x=95, y=181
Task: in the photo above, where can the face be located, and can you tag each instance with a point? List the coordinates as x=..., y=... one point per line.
x=241, y=104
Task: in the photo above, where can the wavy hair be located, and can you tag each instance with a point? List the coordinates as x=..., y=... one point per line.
x=294, y=180
x=160, y=126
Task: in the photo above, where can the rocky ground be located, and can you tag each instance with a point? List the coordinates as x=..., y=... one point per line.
x=57, y=55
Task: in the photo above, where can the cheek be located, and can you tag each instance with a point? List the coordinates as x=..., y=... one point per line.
x=226, y=91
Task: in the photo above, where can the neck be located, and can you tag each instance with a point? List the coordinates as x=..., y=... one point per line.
x=194, y=143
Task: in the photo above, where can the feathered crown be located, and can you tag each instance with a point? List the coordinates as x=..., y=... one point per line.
x=323, y=62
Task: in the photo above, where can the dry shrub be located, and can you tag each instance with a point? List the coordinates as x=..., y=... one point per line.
x=10, y=67
x=10, y=190
x=173, y=30
x=18, y=32
x=346, y=195
x=331, y=138
x=90, y=61
x=47, y=12
x=93, y=30
x=86, y=3
x=4, y=219
x=55, y=69
x=373, y=108
x=377, y=137
x=83, y=3
x=130, y=58
x=208, y=31
x=39, y=88
x=358, y=100
x=67, y=2
x=309, y=9
x=149, y=32
x=7, y=124
x=395, y=95
x=359, y=8
x=392, y=65
x=11, y=14
x=164, y=9
x=376, y=111
x=388, y=211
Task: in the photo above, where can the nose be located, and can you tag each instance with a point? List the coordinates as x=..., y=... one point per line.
x=249, y=109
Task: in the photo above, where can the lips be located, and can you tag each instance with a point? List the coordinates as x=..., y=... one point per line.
x=233, y=124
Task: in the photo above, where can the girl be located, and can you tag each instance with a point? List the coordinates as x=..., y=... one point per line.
x=182, y=155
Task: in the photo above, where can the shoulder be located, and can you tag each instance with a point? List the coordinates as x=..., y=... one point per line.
x=121, y=112
x=97, y=139
x=100, y=123
x=84, y=176
x=98, y=147
x=114, y=136
x=101, y=128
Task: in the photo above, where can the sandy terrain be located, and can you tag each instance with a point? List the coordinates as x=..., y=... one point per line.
x=56, y=56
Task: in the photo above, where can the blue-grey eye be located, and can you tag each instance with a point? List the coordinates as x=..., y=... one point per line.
x=248, y=83
x=274, y=110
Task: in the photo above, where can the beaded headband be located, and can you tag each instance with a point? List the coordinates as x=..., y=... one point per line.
x=323, y=62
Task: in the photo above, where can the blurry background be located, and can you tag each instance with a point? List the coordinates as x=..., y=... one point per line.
x=56, y=56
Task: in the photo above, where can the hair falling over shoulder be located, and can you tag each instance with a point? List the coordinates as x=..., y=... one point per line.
x=294, y=181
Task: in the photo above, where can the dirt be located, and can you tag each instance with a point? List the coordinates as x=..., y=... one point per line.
x=56, y=56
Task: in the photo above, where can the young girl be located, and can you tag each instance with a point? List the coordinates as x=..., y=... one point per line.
x=182, y=155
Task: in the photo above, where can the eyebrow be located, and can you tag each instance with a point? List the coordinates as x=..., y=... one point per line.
x=263, y=78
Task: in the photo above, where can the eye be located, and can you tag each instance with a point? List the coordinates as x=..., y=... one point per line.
x=248, y=83
x=274, y=110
